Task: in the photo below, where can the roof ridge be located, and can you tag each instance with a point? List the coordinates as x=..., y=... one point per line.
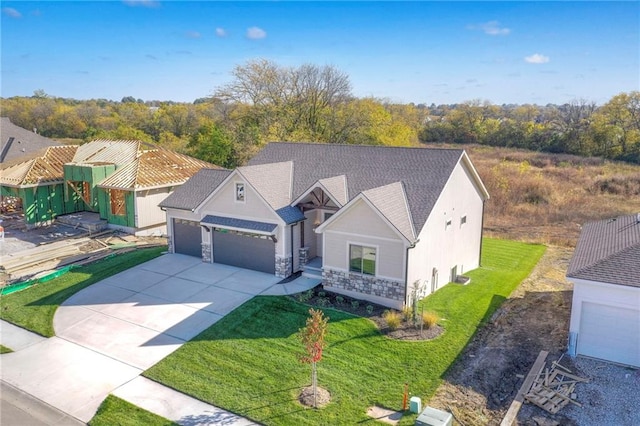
x=358, y=146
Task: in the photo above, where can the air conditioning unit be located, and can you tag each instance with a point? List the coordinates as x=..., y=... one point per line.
x=434, y=417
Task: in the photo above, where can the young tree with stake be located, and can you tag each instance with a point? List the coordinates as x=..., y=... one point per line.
x=312, y=337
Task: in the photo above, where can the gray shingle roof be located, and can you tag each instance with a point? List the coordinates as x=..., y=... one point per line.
x=608, y=251
x=422, y=171
x=272, y=181
x=391, y=202
x=283, y=171
x=18, y=144
x=337, y=187
x=249, y=225
x=192, y=193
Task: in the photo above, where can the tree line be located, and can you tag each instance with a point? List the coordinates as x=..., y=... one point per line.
x=266, y=102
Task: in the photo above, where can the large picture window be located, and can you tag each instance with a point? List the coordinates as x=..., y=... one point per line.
x=362, y=259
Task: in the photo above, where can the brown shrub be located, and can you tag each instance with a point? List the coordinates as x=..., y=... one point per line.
x=429, y=319
x=619, y=185
x=392, y=318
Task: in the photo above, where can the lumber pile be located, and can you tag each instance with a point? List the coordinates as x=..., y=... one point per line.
x=554, y=388
x=26, y=259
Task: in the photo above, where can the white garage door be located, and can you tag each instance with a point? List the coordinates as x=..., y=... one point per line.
x=610, y=333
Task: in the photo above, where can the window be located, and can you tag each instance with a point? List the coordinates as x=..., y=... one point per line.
x=362, y=259
x=327, y=215
x=118, y=202
x=240, y=192
x=463, y=220
x=447, y=224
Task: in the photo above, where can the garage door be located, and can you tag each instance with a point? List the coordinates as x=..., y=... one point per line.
x=187, y=238
x=244, y=250
x=610, y=333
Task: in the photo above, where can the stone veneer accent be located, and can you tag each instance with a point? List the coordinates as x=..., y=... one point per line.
x=365, y=284
x=303, y=256
x=206, y=253
x=170, y=248
x=284, y=266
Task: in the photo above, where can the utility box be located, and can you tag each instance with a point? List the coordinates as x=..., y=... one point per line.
x=415, y=404
x=433, y=417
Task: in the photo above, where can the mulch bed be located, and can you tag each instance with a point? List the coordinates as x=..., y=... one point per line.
x=306, y=397
x=320, y=298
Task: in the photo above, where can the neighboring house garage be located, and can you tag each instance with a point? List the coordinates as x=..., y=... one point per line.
x=609, y=332
x=187, y=237
x=605, y=271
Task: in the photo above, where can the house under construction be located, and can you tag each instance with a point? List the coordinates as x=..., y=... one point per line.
x=123, y=181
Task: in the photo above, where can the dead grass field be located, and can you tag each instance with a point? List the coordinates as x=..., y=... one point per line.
x=545, y=198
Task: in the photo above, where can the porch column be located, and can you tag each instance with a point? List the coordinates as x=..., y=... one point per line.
x=303, y=256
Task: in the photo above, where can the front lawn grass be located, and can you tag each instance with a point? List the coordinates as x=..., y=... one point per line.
x=34, y=307
x=4, y=350
x=247, y=362
x=116, y=411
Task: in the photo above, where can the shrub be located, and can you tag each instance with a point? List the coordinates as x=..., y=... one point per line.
x=305, y=296
x=407, y=313
x=369, y=309
x=323, y=301
x=429, y=319
x=339, y=300
x=322, y=294
x=355, y=304
x=392, y=318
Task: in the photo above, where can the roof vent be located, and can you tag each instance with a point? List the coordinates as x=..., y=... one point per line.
x=638, y=218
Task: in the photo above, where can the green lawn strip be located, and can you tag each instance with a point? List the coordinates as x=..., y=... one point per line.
x=116, y=411
x=5, y=350
x=34, y=307
x=247, y=362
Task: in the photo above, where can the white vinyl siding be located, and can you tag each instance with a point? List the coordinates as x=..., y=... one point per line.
x=390, y=253
x=444, y=244
x=362, y=219
x=223, y=204
x=147, y=211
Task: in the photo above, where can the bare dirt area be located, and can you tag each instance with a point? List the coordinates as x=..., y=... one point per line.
x=481, y=385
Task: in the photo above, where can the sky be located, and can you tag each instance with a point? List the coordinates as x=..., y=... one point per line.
x=422, y=52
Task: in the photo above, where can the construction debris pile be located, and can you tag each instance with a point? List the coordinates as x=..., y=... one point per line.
x=79, y=250
x=554, y=388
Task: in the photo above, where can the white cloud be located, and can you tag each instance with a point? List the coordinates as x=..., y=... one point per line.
x=492, y=28
x=9, y=11
x=143, y=3
x=537, y=58
x=221, y=32
x=255, y=33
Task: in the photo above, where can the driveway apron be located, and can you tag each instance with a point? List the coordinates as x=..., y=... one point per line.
x=110, y=332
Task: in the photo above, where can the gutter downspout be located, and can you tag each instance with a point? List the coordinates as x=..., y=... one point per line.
x=481, y=235
x=406, y=269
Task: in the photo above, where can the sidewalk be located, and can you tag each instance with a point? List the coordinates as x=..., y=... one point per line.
x=20, y=408
x=74, y=377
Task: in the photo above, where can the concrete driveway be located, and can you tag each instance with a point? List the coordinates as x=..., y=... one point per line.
x=110, y=332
